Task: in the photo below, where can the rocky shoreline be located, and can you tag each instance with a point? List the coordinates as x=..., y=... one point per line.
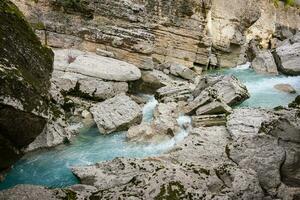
x=48, y=95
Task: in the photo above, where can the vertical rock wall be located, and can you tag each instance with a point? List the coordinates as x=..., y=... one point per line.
x=198, y=33
x=25, y=70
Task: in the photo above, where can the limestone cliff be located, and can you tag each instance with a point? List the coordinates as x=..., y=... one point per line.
x=196, y=33
x=25, y=70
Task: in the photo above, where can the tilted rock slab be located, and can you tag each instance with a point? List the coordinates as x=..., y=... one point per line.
x=116, y=114
x=93, y=65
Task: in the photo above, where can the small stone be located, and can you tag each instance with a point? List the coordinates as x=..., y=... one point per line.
x=86, y=114
x=285, y=88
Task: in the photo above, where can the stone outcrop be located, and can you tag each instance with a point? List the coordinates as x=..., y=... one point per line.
x=25, y=70
x=29, y=192
x=193, y=170
x=254, y=157
x=116, y=114
x=288, y=56
x=267, y=141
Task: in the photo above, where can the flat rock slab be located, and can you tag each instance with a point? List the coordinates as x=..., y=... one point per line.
x=93, y=65
x=116, y=114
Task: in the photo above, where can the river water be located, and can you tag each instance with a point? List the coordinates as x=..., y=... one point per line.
x=52, y=167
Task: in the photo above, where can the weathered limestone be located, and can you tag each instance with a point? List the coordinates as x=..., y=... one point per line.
x=139, y=32
x=182, y=71
x=246, y=122
x=86, y=87
x=31, y=192
x=287, y=56
x=193, y=170
x=25, y=70
x=116, y=114
x=225, y=89
x=164, y=124
x=214, y=107
x=149, y=82
x=268, y=142
x=182, y=92
x=264, y=63
x=209, y=120
x=92, y=65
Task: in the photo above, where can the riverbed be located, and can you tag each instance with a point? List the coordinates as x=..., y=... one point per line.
x=52, y=167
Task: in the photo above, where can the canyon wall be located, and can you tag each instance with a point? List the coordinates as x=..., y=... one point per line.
x=196, y=33
x=25, y=70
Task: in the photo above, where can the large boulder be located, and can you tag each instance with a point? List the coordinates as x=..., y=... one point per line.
x=177, y=92
x=214, y=92
x=182, y=71
x=149, y=82
x=116, y=114
x=264, y=63
x=86, y=87
x=25, y=71
x=288, y=56
x=96, y=66
x=214, y=107
x=267, y=141
x=230, y=90
x=164, y=124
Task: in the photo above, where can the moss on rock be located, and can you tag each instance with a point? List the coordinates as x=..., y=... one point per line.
x=25, y=71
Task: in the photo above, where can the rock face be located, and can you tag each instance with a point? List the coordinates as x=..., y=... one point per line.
x=288, y=56
x=256, y=145
x=116, y=114
x=25, y=70
x=200, y=34
x=86, y=87
x=187, y=173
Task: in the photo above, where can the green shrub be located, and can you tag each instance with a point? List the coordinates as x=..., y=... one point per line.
x=286, y=2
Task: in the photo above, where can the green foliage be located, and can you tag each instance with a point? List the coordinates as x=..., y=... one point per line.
x=171, y=191
x=286, y=2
